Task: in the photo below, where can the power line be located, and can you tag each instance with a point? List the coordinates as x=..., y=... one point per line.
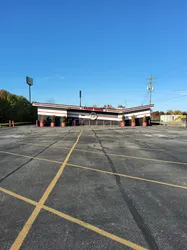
x=145, y=99
x=169, y=98
x=150, y=88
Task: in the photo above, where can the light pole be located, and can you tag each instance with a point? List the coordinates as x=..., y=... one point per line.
x=80, y=95
x=29, y=81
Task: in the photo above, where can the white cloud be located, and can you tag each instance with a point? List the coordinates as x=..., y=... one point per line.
x=182, y=92
x=54, y=77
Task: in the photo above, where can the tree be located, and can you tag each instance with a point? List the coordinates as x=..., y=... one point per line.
x=177, y=112
x=17, y=108
x=169, y=112
x=155, y=114
x=120, y=106
x=109, y=106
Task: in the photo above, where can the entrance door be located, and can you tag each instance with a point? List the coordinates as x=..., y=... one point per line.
x=57, y=121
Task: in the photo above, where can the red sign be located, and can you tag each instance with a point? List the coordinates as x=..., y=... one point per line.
x=94, y=108
x=98, y=109
x=87, y=108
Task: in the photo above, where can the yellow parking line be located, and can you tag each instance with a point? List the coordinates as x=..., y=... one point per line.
x=20, y=197
x=127, y=176
x=95, y=229
x=84, y=150
x=30, y=157
x=135, y=157
x=93, y=169
x=26, y=228
x=40, y=145
x=77, y=221
x=110, y=154
x=126, y=156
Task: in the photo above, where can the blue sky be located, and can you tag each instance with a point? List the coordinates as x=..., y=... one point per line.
x=105, y=48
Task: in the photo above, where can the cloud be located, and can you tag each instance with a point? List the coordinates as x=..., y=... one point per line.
x=54, y=77
x=181, y=92
x=47, y=78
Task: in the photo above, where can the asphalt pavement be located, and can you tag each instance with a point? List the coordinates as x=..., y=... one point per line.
x=93, y=188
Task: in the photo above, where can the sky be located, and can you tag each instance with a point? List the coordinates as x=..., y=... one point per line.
x=107, y=49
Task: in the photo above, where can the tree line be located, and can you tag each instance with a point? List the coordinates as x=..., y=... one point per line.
x=16, y=108
x=169, y=112
x=109, y=106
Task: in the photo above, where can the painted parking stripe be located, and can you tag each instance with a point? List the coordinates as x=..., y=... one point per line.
x=26, y=228
x=84, y=150
x=76, y=221
x=128, y=176
x=93, y=169
x=116, y=155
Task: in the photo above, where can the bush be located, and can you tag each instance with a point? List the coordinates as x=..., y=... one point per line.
x=64, y=119
x=53, y=118
x=133, y=118
x=42, y=119
x=144, y=118
x=123, y=118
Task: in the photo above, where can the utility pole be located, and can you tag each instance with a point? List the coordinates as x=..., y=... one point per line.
x=150, y=88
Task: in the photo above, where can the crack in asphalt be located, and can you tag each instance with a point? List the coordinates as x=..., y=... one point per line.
x=128, y=200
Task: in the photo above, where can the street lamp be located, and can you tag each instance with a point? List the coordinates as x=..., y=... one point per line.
x=29, y=81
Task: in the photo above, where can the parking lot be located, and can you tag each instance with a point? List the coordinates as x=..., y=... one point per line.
x=93, y=188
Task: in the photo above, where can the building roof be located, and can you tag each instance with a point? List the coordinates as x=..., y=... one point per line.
x=73, y=107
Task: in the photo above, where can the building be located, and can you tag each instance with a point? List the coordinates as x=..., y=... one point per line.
x=91, y=115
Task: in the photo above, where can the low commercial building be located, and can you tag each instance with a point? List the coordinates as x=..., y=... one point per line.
x=174, y=120
x=91, y=115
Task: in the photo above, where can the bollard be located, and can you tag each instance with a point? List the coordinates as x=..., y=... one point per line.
x=9, y=123
x=36, y=123
x=13, y=124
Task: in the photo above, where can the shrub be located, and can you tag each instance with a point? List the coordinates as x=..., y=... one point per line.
x=144, y=118
x=133, y=118
x=42, y=118
x=64, y=119
x=53, y=118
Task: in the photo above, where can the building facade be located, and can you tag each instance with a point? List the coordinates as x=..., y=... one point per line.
x=91, y=115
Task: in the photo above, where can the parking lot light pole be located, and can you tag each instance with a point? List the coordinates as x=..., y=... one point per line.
x=29, y=81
